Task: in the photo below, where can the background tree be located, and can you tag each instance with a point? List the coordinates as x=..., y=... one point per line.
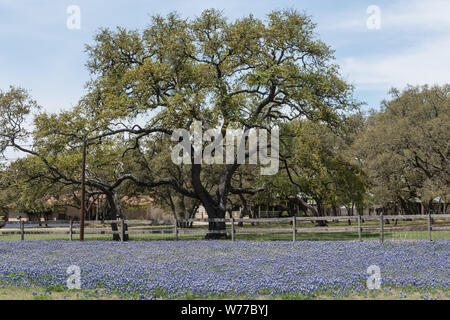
x=57, y=142
x=404, y=148
x=315, y=167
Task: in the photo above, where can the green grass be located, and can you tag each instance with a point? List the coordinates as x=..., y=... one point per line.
x=38, y=293
x=323, y=236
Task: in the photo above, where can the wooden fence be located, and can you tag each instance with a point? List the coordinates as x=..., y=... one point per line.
x=173, y=226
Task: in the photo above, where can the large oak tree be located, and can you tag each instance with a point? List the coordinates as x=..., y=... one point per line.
x=245, y=74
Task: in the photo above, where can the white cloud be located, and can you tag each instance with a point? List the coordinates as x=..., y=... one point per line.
x=430, y=15
x=426, y=60
x=427, y=63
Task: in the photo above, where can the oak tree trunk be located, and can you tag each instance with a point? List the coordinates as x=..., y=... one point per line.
x=217, y=230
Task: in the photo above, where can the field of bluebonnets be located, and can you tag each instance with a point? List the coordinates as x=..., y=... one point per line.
x=219, y=269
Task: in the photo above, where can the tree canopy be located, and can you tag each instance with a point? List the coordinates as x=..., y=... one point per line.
x=405, y=147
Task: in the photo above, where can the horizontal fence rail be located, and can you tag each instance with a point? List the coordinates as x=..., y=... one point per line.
x=233, y=226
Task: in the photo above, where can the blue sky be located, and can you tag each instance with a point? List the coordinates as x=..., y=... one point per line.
x=38, y=51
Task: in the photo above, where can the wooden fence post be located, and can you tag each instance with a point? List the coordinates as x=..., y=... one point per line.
x=429, y=227
x=381, y=227
x=176, y=229
x=232, y=229
x=22, y=229
x=294, y=229
x=122, y=229
x=71, y=229
x=359, y=228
